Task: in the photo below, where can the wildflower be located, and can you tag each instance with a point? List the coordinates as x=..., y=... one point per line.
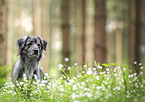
x=140, y=64
x=66, y=59
x=97, y=77
x=142, y=86
x=141, y=67
x=42, y=84
x=66, y=90
x=98, y=87
x=10, y=91
x=61, y=89
x=127, y=96
x=14, y=93
x=76, y=101
x=74, y=78
x=46, y=74
x=118, y=67
x=82, y=83
x=21, y=83
x=89, y=72
x=89, y=95
x=135, y=73
x=100, y=67
x=31, y=94
x=94, y=68
x=95, y=73
x=135, y=62
x=24, y=77
x=122, y=80
x=130, y=81
x=78, y=76
x=118, y=88
x=69, y=68
x=76, y=64
x=68, y=78
x=49, y=83
x=141, y=73
x=35, y=76
x=135, y=78
x=115, y=69
x=52, y=74
x=60, y=65
x=131, y=75
x=83, y=71
x=48, y=86
x=102, y=72
x=85, y=89
x=73, y=95
x=74, y=87
x=143, y=81
x=107, y=69
x=115, y=74
x=44, y=81
x=85, y=66
x=71, y=81
x=9, y=78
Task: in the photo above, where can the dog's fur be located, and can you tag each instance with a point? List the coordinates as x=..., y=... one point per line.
x=30, y=53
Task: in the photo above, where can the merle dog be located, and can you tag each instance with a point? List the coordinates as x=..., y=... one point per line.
x=30, y=53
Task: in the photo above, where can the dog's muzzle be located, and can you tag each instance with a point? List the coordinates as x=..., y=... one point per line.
x=34, y=52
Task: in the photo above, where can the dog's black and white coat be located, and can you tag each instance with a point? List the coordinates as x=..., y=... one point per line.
x=30, y=53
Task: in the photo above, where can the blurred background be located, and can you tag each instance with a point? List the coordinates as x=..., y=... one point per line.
x=77, y=31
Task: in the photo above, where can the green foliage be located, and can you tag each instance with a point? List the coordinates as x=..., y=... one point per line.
x=115, y=84
x=3, y=73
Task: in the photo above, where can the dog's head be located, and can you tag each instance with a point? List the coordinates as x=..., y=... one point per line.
x=31, y=46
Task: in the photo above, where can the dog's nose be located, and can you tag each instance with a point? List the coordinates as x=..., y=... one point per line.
x=35, y=52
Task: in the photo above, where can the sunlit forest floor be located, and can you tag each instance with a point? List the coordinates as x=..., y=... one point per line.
x=113, y=84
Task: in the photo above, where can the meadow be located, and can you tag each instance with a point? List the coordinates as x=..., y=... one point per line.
x=95, y=83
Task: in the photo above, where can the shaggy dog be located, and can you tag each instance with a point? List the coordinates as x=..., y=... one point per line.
x=30, y=53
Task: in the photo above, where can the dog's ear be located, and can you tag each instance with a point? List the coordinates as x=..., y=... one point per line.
x=21, y=42
x=43, y=43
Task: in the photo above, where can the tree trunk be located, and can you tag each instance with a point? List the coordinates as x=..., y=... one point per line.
x=135, y=30
x=79, y=32
x=65, y=29
x=100, y=35
x=2, y=32
x=118, y=43
x=9, y=35
x=84, y=29
x=21, y=11
x=45, y=31
x=36, y=18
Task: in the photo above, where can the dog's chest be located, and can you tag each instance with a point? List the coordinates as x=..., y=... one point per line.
x=30, y=66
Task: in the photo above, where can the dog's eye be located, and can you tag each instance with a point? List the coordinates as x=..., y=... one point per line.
x=29, y=44
x=38, y=45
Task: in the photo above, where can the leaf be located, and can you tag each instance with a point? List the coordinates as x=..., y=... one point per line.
x=96, y=64
x=113, y=64
x=104, y=64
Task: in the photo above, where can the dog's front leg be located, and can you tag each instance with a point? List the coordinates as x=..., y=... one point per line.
x=17, y=73
x=31, y=74
x=38, y=73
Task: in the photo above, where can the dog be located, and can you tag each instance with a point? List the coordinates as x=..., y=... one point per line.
x=30, y=54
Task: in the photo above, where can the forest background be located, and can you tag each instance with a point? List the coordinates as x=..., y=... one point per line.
x=77, y=31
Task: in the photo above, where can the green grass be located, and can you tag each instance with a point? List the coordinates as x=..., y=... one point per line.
x=114, y=84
